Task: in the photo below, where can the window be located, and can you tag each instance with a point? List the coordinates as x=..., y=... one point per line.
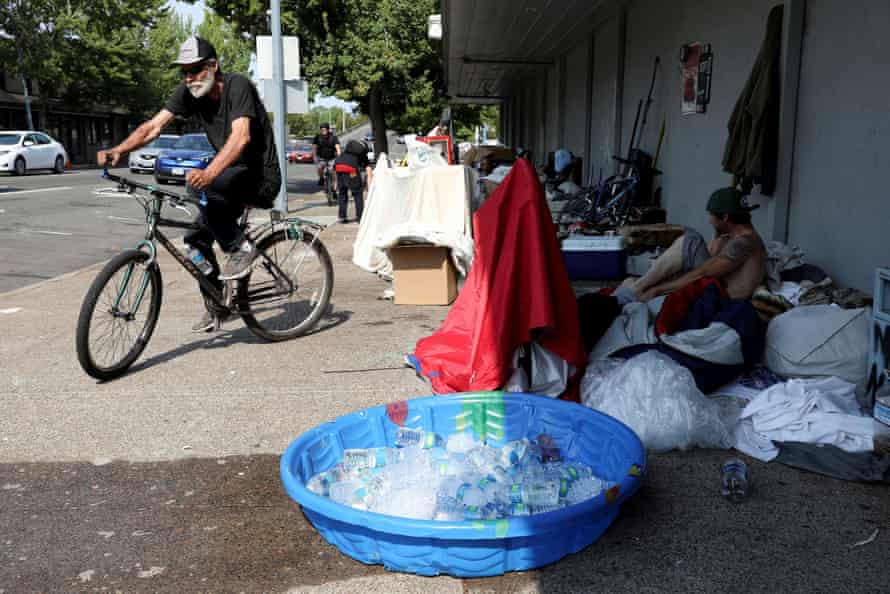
x=9, y=139
x=42, y=139
x=30, y=138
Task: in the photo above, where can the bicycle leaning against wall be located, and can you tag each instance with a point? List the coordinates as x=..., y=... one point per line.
x=284, y=295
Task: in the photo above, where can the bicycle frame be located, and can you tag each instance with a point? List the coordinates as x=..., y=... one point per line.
x=293, y=225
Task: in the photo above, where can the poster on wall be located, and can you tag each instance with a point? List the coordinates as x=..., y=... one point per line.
x=689, y=57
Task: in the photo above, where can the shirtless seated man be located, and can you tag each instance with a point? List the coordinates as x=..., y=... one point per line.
x=737, y=255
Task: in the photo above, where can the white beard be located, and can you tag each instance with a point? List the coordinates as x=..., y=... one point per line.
x=200, y=88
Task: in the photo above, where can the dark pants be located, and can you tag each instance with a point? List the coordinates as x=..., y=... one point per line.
x=345, y=183
x=218, y=218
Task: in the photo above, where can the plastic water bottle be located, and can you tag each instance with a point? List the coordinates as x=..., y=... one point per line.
x=734, y=480
x=406, y=437
x=535, y=492
x=513, y=453
x=371, y=458
x=584, y=489
x=350, y=493
x=200, y=261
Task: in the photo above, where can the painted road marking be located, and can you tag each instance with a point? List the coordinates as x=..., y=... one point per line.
x=3, y=191
x=10, y=310
x=45, y=232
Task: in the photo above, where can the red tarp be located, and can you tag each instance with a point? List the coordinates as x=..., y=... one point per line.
x=517, y=284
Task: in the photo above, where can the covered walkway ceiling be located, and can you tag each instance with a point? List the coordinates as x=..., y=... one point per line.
x=489, y=43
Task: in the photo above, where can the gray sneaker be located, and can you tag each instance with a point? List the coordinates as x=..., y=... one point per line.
x=238, y=263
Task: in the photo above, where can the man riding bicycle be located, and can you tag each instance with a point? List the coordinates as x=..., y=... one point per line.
x=325, y=148
x=244, y=171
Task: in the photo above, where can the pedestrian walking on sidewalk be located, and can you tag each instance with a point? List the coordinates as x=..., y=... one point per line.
x=349, y=167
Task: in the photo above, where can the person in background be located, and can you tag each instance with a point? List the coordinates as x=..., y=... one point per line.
x=325, y=148
x=736, y=256
x=349, y=166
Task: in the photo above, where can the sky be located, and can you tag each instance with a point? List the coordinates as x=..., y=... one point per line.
x=196, y=13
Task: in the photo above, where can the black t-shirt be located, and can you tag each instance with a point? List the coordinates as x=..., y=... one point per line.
x=356, y=161
x=239, y=99
x=327, y=146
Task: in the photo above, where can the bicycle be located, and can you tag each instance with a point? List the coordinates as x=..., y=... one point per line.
x=330, y=183
x=121, y=308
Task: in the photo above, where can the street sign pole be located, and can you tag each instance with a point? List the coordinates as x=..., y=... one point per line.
x=278, y=103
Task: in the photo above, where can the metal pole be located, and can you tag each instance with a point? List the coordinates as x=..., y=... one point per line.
x=278, y=106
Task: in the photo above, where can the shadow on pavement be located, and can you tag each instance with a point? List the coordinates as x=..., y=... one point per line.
x=241, y=334
x=193, y=525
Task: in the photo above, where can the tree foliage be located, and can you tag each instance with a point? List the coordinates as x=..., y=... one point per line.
x=232, y=47
x=83, y=51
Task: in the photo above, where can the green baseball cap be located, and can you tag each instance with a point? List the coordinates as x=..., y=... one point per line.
x=729, y=201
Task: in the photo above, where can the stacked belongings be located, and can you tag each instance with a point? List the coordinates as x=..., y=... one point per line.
x=517, y=291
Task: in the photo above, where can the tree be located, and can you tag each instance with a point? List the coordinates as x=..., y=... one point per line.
x=232, y=47
x=374, y=53
x=84, y=51
x=163, y=43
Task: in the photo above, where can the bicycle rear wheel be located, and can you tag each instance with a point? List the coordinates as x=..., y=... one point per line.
x=289, y=288
x=118, y=315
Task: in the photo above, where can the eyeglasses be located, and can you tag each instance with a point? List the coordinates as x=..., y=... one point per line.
x=194, y=69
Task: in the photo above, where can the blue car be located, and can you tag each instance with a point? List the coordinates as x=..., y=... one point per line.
x=192, y=151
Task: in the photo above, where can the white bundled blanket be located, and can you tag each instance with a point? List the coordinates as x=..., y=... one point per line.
x=809, y=411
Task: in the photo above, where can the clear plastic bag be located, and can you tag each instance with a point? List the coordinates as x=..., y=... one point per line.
x=658, y=399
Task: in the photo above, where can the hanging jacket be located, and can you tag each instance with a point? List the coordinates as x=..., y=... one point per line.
x=752, y=148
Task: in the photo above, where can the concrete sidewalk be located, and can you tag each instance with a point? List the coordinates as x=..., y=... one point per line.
x=166, y=480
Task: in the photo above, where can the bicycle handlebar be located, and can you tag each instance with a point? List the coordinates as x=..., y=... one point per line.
x=152, y=189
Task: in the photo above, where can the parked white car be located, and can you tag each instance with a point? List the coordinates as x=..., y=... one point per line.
x=144, y=159
x=21, y=151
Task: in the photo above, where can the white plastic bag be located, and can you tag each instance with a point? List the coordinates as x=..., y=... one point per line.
x=421, y=155
x=658, y=399
x=549, y=373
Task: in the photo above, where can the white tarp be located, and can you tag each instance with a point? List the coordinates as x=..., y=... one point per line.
x=430, y=203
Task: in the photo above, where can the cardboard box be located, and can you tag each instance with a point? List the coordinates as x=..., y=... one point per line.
x=423, y=275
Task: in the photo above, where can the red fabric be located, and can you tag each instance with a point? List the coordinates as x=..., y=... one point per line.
x=517, y=284
x=677, y=304
x=341, y=168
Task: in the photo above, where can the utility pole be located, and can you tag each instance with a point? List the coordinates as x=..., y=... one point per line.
x=279, y=108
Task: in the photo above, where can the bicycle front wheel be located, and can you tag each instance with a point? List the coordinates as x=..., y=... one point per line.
x=118, y=315
x=289, y=287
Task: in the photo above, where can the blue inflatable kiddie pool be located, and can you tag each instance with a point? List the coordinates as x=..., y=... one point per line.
x=468, y=548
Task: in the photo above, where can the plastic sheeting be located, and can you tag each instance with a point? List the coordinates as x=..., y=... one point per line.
x=549, y=373
x=658, y=399
x=428, y=203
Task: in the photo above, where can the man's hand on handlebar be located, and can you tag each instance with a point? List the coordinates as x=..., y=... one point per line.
x=199, y=178
x=109, y=157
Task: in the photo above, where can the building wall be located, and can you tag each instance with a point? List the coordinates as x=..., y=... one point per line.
x=551, y=116
x=839, y=199
x=605, y=81
x=692, y=149
x=577, y=108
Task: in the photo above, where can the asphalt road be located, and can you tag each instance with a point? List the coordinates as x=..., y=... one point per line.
x=54, y=224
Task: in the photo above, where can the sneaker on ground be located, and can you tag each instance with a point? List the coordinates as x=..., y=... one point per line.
x=238, y=263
